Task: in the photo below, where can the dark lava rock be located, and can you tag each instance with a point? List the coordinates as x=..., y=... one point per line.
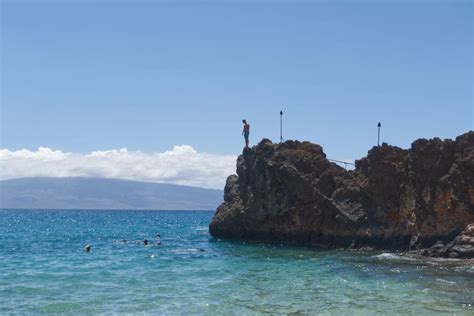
x=394, y=199
x=461, y=247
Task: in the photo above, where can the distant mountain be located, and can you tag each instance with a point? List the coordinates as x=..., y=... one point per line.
x=95, y=193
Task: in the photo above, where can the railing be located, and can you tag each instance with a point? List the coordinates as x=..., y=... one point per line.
x=342, y=162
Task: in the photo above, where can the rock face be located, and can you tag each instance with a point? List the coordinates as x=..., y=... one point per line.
x=394, y=199
x=461, y=247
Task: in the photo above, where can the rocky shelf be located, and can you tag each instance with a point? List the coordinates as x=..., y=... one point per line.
x=394, y=198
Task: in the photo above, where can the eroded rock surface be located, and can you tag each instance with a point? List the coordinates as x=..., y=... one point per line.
x=394, y=199
x=461, y=247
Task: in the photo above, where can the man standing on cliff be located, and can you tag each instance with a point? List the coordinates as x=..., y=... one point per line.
x=246, y=132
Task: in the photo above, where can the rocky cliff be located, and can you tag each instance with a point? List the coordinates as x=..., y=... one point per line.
x=394, y=199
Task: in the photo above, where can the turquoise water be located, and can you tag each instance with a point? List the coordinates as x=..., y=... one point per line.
x=44, y=270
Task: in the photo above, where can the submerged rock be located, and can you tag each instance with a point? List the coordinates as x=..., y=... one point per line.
x=394, y=199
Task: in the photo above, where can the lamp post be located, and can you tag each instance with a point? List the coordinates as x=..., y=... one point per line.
x=378, y=134
x=281, y=126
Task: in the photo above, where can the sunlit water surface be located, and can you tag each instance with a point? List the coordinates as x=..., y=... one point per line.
x=44, y=270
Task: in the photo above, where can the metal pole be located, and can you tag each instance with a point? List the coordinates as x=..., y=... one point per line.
x=281, y=126
x=378, y=134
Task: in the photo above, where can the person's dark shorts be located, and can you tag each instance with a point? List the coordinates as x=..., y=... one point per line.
x=246, y=136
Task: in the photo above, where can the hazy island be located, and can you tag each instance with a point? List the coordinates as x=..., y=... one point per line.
x=103, y=194
x=419, y=199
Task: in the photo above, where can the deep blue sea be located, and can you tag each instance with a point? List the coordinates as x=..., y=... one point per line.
x=44, y=270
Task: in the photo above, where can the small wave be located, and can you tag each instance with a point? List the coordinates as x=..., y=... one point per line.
x=392, y=256
x=446, y=281
x=468, y=268
x=195, y=250
x=188, y=250
x=387, y=256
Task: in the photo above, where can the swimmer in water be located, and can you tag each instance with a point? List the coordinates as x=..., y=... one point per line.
x=88, y=248
x=158, y=240
x=145, y=242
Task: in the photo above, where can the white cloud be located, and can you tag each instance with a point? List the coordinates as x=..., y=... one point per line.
x=181, y=165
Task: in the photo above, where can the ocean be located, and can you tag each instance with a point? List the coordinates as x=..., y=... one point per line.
x=45, y=270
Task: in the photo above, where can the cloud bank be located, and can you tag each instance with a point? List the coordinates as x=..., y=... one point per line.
x=181, y=165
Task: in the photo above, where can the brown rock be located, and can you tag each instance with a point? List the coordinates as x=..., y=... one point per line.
x=461, y=247
x=291, y=193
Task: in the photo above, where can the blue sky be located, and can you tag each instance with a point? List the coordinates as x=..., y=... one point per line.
x=95, y=75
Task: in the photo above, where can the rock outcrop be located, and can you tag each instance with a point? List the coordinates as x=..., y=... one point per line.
x=394, y=199
x=461, y=247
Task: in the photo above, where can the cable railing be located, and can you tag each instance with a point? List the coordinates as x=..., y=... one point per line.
x=342, y=162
